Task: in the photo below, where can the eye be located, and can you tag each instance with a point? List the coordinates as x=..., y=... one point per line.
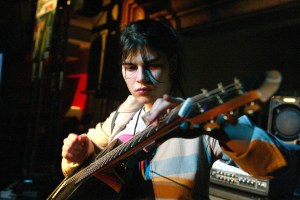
x=130, y=68
x=154, y=67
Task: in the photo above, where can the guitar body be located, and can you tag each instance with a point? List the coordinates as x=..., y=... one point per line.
x=91, y=188
x=108, y=185
x=100, y=186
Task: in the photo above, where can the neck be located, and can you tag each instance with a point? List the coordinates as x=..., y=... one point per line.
x=148, y=107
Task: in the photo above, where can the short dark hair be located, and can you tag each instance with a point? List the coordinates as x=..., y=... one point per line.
x=160, y=37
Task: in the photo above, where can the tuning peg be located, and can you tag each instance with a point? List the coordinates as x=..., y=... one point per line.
x=230, y=117
x=220, y=87
x=231, y=114
x=251, y=108
x=238, y=85
x=211, y=126
x=204, y=91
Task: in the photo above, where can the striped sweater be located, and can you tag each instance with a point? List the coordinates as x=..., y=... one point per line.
x=180, y=167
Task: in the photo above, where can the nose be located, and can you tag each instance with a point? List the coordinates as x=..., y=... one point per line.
x=142, y=76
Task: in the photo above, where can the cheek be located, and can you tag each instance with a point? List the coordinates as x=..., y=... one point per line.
x=164, y=76
x=125, y=79
x=129, y=83
x=160, y=75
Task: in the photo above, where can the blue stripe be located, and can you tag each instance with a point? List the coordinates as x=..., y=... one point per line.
x=176, y=165
x=147, y=173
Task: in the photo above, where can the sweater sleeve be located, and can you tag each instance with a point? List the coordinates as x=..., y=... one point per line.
x=264, y=156
x=102, y=132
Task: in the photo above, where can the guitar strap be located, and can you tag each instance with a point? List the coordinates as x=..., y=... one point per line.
x=114, y=119
x=137, y=182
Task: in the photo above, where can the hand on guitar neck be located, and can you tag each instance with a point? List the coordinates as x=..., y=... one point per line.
x=216, y=121
x=239, y=142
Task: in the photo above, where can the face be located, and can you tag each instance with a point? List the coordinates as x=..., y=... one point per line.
x=146, y=80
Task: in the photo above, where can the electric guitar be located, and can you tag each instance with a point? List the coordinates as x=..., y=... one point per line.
x=200, y=110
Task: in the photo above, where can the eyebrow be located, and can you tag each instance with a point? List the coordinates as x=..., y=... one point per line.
x=147, y=61
x=127, y=63
x=152, y=60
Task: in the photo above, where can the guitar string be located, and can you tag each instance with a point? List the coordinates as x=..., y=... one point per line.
x=228, y=88
x=132, y=141
x=91, y=168
x=118, y=150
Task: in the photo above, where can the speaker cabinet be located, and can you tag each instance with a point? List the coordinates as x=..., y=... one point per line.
x=284, y=118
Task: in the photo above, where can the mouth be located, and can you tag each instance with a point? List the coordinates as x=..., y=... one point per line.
x=143, y=90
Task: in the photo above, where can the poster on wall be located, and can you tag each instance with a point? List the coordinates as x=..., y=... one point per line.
x=45, y=15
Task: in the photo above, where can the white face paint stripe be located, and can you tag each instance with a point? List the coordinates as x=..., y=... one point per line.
x=149, y=75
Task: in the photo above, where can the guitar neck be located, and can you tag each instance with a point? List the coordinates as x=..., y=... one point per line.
x=135, y=144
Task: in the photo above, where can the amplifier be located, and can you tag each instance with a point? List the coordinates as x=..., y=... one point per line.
x=234, y=177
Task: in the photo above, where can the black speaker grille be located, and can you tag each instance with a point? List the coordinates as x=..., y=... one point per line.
x=287, y=123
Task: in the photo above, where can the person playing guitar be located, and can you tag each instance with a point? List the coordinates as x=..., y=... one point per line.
x=186, y=136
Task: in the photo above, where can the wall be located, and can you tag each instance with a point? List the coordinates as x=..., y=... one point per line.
x=222, y=56
x=244, y=47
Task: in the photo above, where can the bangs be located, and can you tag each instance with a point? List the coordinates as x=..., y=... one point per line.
x=128, y=53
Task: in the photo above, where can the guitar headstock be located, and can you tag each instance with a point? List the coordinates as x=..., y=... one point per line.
x=228, y=100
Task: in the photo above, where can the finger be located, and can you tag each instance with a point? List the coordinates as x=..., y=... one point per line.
x=163, y=105
x=159, y=108
x=69, y=157
x=71, y=154
x=70, y=139
x=66, y=155
x=84, y=140
x=72, y=136
x=75, y=151
x=71, y=147
x=66, y=150
x=173, y=100
x=74, y=141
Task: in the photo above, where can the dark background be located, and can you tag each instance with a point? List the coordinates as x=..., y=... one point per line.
x=218, y=51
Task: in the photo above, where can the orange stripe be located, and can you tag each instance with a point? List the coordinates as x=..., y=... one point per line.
x=269, y=160
x=164, y=188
